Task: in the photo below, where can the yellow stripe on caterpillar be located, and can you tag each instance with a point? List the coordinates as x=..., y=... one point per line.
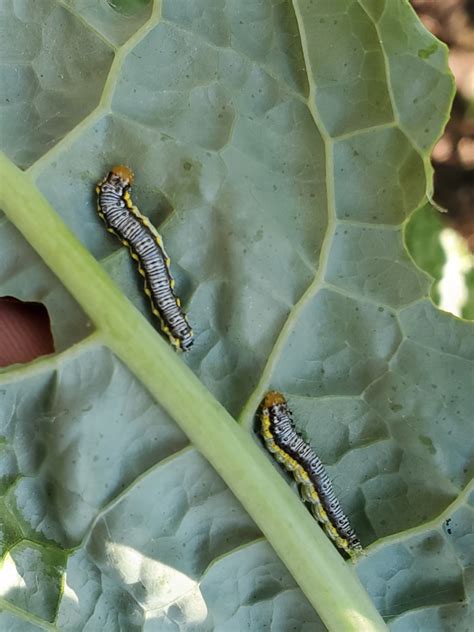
x=289, y=449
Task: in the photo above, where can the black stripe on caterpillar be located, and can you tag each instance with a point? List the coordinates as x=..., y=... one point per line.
x=299, y=458
x=123, y=219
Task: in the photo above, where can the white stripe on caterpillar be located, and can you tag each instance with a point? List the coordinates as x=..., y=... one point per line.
x=135, y=231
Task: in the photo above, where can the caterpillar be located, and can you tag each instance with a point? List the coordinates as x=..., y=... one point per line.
x=123, y=219
x=289, y=449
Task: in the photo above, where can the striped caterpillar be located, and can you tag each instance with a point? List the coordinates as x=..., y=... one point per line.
x=289, y=449
x=135, y=231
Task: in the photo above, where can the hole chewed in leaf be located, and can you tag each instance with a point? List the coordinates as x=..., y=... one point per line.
x=25, y=331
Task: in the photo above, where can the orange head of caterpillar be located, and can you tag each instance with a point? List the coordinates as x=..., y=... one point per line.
x=273, y=398
x=124, y=173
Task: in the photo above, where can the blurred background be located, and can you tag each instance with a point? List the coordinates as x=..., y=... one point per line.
x=442, y=244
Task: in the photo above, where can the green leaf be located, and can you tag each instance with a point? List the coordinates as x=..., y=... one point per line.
x=424, y=236
x=280, y=148
x=468, y=310
x=423, y=242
